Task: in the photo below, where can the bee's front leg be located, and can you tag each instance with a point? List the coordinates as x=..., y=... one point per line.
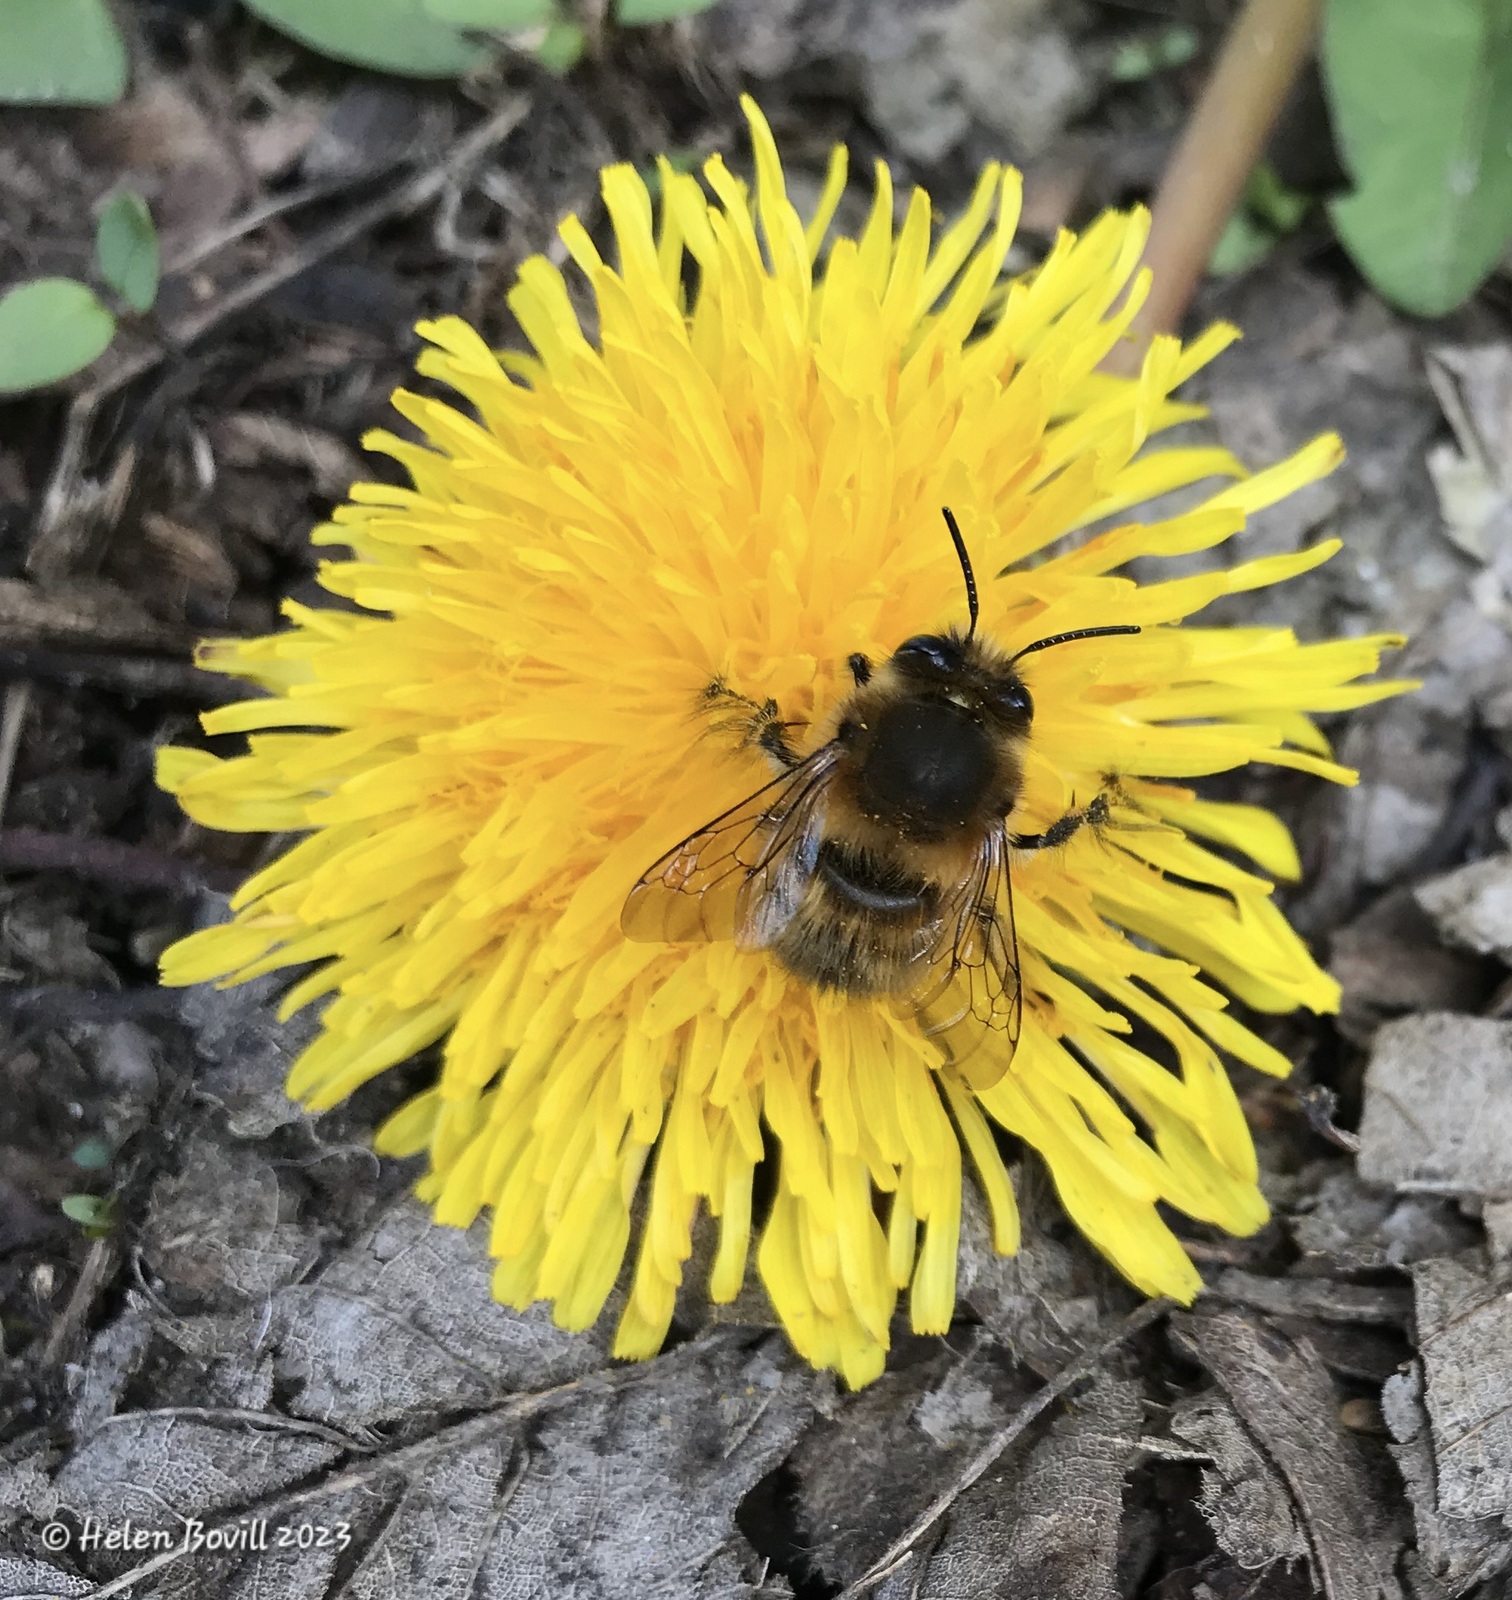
x=755, y=722
x=1093, y=815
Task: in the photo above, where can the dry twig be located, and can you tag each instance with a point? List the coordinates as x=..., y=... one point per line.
x=138, y=677
x=109, y=861
x=98, y=1270
x=12, y=720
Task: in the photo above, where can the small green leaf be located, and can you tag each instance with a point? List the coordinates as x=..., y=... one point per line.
x=1268, y=211
x=683, y=160
x=96, y=1214
x=636, y=13
x=1270, y=200
x=1132, y=62
x=1421, y=92
x=492, y=16
x=60, y=52
x=562, y=47
x=126, y=249
x=92, y=1154
x=1244, y=243
x=1137, y=59
x=49, y=328
x=391, y=35
x=85, y=1209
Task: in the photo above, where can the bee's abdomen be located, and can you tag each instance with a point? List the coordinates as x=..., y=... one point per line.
x=872, y=884
x=863, y=925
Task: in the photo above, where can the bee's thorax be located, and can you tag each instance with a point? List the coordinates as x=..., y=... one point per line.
x=927, y=767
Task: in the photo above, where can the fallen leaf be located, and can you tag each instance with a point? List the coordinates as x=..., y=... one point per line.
x=1465, y=1344
x=923, y=1417
x=1244, y=1498
x=1055, y=1296
x=1413, y=1134
x=1045, y=1523
x=1352, y=1227
x=1453, y=1553
x=1285, y=1398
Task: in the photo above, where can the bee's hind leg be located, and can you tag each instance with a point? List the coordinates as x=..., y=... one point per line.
x=756, y=723
x=1093, y=815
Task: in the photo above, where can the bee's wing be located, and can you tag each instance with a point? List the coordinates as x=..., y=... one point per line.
x=970, y=989
x=744, y=876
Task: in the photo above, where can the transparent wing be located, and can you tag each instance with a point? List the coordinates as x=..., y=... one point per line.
x=744, y=876
x=970, y=995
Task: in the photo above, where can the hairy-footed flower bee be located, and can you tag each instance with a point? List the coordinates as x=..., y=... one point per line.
x=879, y=864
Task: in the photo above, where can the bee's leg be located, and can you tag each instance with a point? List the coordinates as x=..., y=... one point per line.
x=772, y=736
x=757, y=723
x=861, y=668
x=1066, y=827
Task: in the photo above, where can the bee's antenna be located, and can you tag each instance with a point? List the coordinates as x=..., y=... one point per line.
x=1067, y=638
x=960, y=545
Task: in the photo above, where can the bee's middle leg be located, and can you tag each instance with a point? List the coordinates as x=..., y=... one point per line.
x=756, y=722
x=1093, y=815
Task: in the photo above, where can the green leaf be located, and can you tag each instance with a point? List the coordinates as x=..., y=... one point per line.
x=96, y=1214
x=49, y=328
x=126, y=249
x=636, y=13
x=60, y=52
x=493, y=16
x=1270, y=200
x=562, y=48
x=688, y=159
x=1421, y=92
x=391, y=35
x=1137, y=59
x=85, y=1209
x=1244, y=243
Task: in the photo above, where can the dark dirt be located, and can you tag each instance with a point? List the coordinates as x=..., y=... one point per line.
x=257, y=1321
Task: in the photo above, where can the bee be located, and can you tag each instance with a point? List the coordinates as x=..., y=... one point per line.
x=878, y=865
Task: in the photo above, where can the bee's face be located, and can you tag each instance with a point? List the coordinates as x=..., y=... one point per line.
x=963, y=674
x=935, y=738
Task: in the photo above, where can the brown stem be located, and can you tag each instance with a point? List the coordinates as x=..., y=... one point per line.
x=1214, y=158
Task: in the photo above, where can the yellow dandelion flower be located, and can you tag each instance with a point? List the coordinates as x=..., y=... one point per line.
x=740, y=484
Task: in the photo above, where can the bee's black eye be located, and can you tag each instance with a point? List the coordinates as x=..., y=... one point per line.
x=928, y=653
x=1015, y=697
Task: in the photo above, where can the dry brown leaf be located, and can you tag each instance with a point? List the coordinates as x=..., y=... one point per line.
x=1414, y=1135
x=1282, y=1392
x=1043, y=1525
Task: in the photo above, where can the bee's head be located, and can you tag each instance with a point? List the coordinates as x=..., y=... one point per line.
x=959, y=671
x=956, y=670
x=935, y=734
